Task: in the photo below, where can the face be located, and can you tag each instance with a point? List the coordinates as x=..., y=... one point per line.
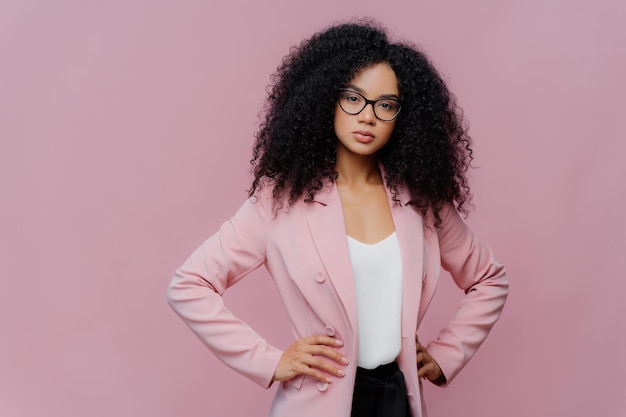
x=363, y=133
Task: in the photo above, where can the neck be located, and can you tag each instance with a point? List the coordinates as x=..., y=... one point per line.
x=355, y=169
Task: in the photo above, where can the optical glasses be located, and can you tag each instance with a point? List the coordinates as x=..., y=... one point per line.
x=385, y=109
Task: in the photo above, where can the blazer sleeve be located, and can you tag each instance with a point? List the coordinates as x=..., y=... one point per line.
x=475, y=270
x=196, y=290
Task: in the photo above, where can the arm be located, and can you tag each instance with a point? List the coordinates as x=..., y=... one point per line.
x=196, y=290
x=475, y=270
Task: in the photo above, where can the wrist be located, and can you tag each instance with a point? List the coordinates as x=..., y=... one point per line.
x=440, y=380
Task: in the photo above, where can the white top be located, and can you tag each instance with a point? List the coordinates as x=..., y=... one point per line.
x=377, y=272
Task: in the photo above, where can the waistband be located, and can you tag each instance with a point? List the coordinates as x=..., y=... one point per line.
x=381, y=372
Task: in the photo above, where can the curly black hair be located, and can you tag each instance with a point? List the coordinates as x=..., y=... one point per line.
x=427, y=155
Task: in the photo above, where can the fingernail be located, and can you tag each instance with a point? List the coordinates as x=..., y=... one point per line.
x=338, y=342
x=329, y=380
x=344, y=359
x=341, y=372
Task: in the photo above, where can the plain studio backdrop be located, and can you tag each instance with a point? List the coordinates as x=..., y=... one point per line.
x=125, y=136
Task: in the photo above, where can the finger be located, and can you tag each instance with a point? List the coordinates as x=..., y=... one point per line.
x=425, y=363
x=300, y=368
x=426, y=370
x=315, y=373
x=293, y=364
x=421, y=372
x=328, y=352
x=316, y=363
x=322, y=340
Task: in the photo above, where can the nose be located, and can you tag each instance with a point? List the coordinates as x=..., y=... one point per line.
x=367, y=114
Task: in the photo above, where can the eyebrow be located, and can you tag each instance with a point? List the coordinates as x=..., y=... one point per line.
x=383, y=96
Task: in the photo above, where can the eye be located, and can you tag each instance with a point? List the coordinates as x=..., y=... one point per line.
x=351, y=97
x=388, y=105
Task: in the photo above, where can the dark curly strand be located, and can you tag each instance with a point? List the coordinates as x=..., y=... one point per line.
x=429, y=151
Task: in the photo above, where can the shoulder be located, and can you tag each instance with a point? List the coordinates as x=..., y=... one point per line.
x=263, y=196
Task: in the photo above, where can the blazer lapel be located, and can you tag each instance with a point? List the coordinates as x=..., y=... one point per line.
x=410, y=233
x=328, y=230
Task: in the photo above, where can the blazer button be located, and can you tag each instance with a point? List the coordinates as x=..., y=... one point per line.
x=320, y=277
x=330, y=331
x=322, y=386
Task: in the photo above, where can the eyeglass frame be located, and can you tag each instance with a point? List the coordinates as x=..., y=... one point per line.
x=372, y=102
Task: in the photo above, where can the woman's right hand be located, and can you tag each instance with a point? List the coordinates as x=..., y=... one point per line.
x=309, y=356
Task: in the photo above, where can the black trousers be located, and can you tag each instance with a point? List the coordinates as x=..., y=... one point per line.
x=380, y=392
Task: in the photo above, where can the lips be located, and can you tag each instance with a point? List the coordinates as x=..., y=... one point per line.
x=363, y=136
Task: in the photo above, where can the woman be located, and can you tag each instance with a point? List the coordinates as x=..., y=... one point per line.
x=359, y=175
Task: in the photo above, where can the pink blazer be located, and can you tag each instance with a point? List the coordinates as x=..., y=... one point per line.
x=305, y=251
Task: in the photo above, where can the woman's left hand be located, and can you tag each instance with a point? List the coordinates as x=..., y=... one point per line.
x=427, y=366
